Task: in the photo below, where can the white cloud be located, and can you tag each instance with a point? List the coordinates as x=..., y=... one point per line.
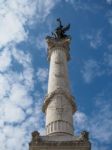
x=108, y=60
x=21, y=57
x=109, y=2
x=15, y=99
x=41, y=42
x=96, y=41
x=42, y=74
x=94, y=38
x=16, y=106
x=84, y=6
x=80, y=117
x=19, y=112
x=80, y=121
x=11, y=29
x=14, y=15
x=101, y=123
x=98, y=123
x=19, y=96
x=44, y=8
x=91, y=70
x=12, y=136
x=95, y=68
x=16, y=85
x=5, y=60
x=109, y=16
x=12, y=113
x=4, y=86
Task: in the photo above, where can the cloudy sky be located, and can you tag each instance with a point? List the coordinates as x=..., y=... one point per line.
x=24, y=67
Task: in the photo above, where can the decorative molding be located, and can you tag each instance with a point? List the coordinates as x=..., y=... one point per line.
x=42, y=141
x=59, y=126
x=62, y=44
x=49, y=97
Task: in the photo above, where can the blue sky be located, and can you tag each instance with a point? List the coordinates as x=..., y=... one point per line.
x=24, y=67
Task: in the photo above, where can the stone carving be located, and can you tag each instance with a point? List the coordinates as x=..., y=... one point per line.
x=69, y=145
x=59, y=62
x=59, y=75
x=58, y=91
x=55, y=44
x=36, y=137
x=55, y=126
x=59, y=32
x=85, y=135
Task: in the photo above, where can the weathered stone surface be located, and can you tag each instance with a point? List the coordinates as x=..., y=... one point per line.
x=60, y=142
x=54, y=44
x=59, y=105
x=61, y=146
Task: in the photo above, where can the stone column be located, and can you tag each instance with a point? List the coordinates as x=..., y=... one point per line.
x=58, y=56
x=59, y=105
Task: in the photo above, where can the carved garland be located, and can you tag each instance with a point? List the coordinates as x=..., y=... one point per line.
x=49, y=97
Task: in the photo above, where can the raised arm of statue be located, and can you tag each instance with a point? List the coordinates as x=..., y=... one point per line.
x=60, y=30
x=59, y=22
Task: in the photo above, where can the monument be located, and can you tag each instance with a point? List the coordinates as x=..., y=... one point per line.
x=59, y=105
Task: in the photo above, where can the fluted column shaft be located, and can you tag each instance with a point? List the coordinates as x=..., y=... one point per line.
x=59, y=105
x=58, y=75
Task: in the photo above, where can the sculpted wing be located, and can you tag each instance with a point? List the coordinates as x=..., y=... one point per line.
x=66, y=28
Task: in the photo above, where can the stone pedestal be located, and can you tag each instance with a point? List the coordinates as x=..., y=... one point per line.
x=59, y=142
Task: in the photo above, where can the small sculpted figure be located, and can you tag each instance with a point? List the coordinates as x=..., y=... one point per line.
x=60, y=30
x=85, y=135
x=35, y=137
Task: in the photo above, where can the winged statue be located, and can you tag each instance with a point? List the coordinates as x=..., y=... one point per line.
x=60, y=30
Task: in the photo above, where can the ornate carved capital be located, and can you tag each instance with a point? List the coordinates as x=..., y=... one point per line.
x=61, y=44
x=49, y=97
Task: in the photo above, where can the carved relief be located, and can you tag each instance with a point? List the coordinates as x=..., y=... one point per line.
x=59, y=75
x=54, y=44
x=58, y=91
x=59, y=62
x=58, y=125
x=84, y=135
x=36, y=137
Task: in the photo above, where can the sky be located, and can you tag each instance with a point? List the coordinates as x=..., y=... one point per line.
x=24, y=67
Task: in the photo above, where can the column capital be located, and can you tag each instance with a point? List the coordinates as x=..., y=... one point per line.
x=60, y=44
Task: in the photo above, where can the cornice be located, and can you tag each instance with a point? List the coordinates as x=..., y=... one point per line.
x=42, y=141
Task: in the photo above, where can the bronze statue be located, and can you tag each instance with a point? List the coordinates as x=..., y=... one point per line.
x=59, y=32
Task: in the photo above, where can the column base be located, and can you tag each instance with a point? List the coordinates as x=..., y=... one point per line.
x=60, y=142
x=59, y=126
